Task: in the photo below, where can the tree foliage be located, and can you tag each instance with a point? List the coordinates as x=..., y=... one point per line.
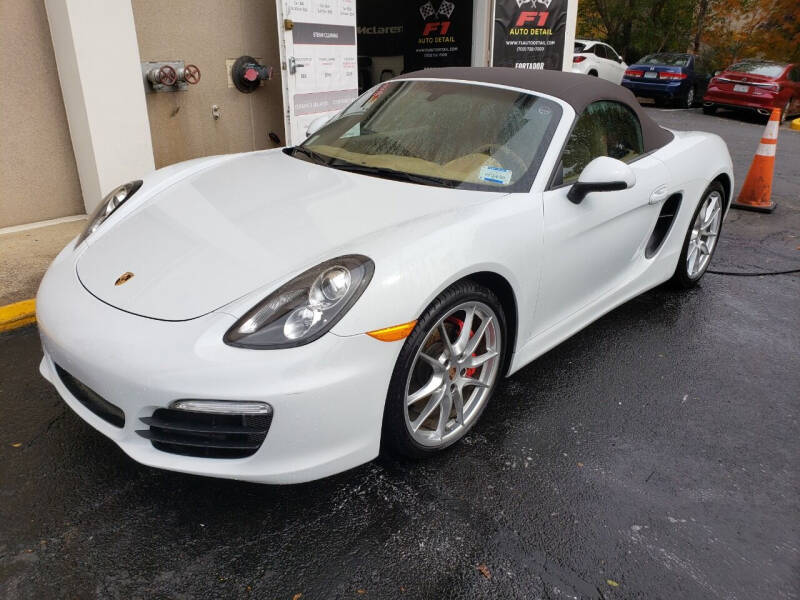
x=722, y=30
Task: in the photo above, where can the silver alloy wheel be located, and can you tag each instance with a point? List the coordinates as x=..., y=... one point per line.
x=690, y=97
x=452, y=374
x=705, y=231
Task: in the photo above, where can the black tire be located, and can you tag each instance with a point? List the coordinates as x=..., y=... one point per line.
x=785, y=112
x=710, y=110
x=396, y=438
x=687, y=101
x=593, y=73
x=680, y=279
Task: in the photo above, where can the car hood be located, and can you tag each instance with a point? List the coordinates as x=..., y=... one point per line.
x=210, y=237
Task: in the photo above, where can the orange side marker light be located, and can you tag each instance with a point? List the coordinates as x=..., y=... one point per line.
x=393, y=333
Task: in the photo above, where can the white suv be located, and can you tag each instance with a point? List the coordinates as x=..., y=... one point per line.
x=598, y=59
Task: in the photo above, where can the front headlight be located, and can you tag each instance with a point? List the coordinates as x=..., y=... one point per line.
x=107, y=206
x=306, y=307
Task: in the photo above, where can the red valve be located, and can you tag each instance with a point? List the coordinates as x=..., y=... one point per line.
x=191, y=74
x=250, y=74
x=167, y=75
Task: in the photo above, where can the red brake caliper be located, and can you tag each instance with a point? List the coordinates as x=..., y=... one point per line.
x=460, y=324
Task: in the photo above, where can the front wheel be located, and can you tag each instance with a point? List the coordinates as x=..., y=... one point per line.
x=709, y=109
x=446, y=372
x=701, y=238
x=785, y=111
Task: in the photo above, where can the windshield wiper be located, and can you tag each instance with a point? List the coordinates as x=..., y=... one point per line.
x=316, y=156
x=392, y=174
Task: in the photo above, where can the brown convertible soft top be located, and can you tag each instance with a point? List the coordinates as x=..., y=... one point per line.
x=577, y=90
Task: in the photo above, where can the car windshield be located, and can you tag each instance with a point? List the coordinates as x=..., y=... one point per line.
x=579, y=46
x=765, y=69
x=441, y=133
x=663, y=58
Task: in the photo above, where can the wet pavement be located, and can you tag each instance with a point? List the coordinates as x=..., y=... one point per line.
x=653, y=455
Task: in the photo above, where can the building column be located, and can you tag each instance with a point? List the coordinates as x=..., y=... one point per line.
x=97, y=56
x=482, y=28
x=569, y=35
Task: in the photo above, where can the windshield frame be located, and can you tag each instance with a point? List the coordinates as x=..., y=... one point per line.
x=522, y=185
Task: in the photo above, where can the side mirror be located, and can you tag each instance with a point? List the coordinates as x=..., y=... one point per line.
x=317, y=124
x=717, y=73
x=603, y=174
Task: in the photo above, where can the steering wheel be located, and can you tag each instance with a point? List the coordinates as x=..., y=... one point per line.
x=504, y=152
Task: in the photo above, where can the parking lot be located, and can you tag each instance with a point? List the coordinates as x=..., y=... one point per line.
x=653, y=455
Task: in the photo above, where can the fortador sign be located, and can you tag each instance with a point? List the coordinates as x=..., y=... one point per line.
x=529, y=34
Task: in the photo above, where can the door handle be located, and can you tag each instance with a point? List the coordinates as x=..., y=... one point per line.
x=659, y=194
x=293, y=65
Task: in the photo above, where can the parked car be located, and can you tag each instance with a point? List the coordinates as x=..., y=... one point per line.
x=598, y=59
x=668, y=78
x=756, y=85
x=282, y=315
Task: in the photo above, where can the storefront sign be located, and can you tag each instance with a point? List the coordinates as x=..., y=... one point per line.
x=529, y=34
x=438, y=34
x=381, y=27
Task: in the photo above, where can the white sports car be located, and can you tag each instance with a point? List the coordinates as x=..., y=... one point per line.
x=282, y=315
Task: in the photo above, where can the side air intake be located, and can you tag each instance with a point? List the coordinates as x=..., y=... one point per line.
x=664, y=223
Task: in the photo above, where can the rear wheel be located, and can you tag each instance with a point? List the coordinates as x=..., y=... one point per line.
x=593, y=73
x=688, y=100
x=710, y=109
x=701, y=238
x=446, y=372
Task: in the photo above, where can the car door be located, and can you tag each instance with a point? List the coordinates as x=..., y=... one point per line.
x=701, y=78
x=602, y=61
x=617, y=65
x=794, y=83
x=595, y=247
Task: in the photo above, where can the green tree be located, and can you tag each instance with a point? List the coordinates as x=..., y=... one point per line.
x=722, y=30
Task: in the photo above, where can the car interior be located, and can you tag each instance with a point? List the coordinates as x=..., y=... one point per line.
x=425, y=134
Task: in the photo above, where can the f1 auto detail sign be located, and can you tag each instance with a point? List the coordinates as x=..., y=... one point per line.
x=529, y=34
x=438, y=34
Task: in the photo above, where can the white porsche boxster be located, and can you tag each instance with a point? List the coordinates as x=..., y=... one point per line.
x=283, y=315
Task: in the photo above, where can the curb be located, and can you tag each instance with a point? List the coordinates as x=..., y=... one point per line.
x=17, y=315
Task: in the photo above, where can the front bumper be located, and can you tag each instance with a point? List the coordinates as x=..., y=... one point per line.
x=327, y=397
x=646, y=89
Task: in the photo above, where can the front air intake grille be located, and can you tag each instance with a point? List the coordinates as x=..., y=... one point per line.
x=205, y=434
x=92, y=400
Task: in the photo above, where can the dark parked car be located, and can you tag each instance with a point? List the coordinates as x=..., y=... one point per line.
x=756, y=85
x=668, y=78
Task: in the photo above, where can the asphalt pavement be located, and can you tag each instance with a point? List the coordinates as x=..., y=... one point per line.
x=654, y=455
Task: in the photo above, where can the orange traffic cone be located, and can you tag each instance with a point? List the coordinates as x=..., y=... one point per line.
x=757, y=188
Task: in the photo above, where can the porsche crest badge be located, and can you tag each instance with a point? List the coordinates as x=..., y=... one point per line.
x=124, y=278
